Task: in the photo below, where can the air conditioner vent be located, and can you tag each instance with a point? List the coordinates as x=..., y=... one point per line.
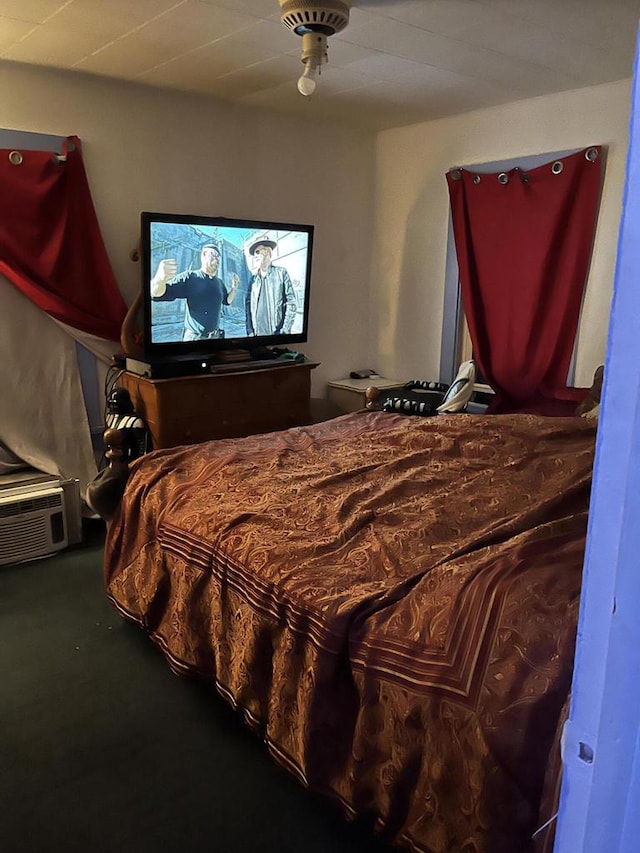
x=26, y=505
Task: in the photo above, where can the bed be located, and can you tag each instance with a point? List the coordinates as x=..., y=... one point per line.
x=389, y=601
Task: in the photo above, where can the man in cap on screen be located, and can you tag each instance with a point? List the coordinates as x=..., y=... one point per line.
x=271, y=301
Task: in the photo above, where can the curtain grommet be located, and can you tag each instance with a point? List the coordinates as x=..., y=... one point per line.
x=456, y=174
x=503, y=178
x=591, y=154
x=557, y=167
x=524, y=177
x=476, y=179
x=15, y=158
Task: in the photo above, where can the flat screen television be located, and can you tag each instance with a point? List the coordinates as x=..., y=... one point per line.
x=213, y=283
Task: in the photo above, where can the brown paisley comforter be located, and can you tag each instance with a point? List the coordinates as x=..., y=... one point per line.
x=390, y=601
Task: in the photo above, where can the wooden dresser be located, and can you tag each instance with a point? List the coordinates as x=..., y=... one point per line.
x=191, y=409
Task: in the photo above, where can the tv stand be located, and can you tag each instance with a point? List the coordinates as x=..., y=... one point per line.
x=234, y=400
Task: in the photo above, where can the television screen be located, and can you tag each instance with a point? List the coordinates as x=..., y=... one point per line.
x=212, y=283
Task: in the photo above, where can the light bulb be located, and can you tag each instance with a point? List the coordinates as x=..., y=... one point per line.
x=306, y=83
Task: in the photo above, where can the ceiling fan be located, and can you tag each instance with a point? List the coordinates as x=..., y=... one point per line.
x=315, y=21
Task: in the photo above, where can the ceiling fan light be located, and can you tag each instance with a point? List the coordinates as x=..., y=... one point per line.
x=314, y=21
x=307, y=82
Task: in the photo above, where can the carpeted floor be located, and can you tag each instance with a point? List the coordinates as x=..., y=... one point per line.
x=103, y=750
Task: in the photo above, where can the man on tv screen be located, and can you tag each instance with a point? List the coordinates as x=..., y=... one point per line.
x=271, y=300
x=204, y=291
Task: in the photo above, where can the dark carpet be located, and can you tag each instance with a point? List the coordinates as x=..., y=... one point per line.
x=104, y=750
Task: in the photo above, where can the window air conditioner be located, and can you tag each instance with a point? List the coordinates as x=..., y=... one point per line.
x=33, y=521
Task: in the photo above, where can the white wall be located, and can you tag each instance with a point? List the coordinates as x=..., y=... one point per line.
x=148, y=149
x=412, y=214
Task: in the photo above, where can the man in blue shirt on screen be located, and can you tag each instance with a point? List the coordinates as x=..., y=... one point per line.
x=271, y=301
x=203, y=290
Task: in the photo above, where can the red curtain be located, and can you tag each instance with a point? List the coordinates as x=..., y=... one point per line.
x=523, y=241
x=51, y=248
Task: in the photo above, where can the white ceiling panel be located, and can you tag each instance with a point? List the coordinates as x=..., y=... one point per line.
x=12, y=32
x=123, y=15
x=189, y=25
x=119, y=61
x=258, y=77
x=599, y=23
x=270, y=34
x=36, y=11
x=260, y=9
x=52, y=46
x=195, y=70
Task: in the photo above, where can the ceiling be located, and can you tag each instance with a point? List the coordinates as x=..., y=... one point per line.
x=397, y=62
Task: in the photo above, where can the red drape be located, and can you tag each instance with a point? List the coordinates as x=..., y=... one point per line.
x=523, y=241
x=51, y=248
